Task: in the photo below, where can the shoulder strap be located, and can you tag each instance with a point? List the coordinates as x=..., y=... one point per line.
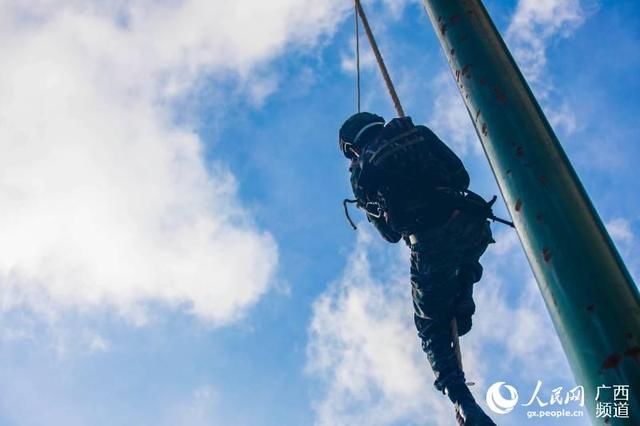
x=398, y=135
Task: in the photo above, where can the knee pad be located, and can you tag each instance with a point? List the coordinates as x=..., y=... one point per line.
x=464, y=324
x=470, y=273
x=465, y=305
x=464, y=309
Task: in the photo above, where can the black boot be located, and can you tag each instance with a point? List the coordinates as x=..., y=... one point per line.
x=468, y=412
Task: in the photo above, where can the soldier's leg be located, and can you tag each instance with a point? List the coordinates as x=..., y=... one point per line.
x=438, y=345
x=434, y=289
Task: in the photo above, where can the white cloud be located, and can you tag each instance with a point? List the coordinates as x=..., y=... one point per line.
x=620, y=230
x=98, y=343
x=534, y=24
x=450, y=117
x=562, y=118
x=105, y=200
x=198, y=409
x=396, y=7
x=348, y=60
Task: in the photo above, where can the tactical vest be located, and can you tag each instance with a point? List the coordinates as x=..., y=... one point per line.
x=401, y=171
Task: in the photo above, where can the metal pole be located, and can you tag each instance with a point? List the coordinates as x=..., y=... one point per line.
x=592, y=300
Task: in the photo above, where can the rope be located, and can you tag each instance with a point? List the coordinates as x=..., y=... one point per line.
x=458, y=352
x=456, y=341
x=378, y=55
x=346, y=211
x=357, y=57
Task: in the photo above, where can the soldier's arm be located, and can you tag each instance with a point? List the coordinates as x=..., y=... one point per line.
x=460, y=177
x=363, y=183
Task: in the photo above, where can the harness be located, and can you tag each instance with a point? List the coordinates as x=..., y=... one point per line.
x=468, y=202
x=402, y=176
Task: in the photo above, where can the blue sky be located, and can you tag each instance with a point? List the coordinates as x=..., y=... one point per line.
x=174, y=249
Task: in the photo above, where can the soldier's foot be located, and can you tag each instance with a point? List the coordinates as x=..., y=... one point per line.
x=468, y=412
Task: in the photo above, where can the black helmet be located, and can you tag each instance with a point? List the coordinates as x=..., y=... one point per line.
x=352, y=130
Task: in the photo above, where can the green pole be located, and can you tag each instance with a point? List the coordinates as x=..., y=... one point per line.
x=593, y=302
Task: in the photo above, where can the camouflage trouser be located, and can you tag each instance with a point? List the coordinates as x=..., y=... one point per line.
x=444, y=267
